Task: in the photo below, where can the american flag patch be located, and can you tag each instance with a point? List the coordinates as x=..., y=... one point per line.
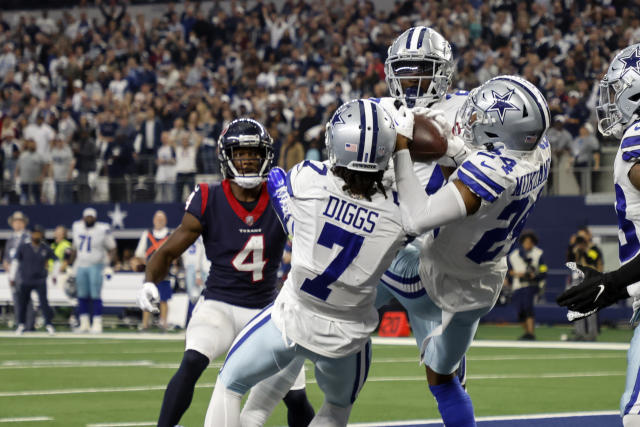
x=351, y=147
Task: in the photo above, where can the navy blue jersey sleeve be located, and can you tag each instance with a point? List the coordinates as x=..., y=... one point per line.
x=197, y=202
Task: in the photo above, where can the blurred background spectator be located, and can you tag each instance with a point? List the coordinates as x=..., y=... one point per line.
x=104, y=71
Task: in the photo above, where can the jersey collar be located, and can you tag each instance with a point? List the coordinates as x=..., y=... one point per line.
x=252, y=217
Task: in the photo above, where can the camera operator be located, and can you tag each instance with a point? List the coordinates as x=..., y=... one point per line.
x=583, y=251
x=527, y=272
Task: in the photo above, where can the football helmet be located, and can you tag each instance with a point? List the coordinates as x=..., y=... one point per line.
x=423, y=56
x=619, y=95
x=245, y=133
x=360, y=136
x=505, y=110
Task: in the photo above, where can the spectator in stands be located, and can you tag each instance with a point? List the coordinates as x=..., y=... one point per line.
x=119, y=162
x=527, y=272
x=18, y=223
x=41, y=133
x=86, y=153
x=166, y=172
x=586, y=157
x=31, y=169
x=10, y=154
x=31, y=265
x=149, y=242
x=291, y=152
x=186, y=152
x=583, y=251
x=577, y=113
x=560, y=140
x=147, y=142
x=62, y=165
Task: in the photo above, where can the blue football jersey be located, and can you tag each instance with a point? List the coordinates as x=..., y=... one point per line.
x=245, y=248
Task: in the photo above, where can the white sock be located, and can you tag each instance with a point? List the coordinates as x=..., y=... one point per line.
x=631, y=421
x=224, y=408
x=331, y=416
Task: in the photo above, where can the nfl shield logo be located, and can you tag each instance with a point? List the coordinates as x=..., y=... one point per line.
x=249, y=220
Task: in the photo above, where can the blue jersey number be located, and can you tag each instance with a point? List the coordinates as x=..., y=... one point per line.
x=518, y=213
x=351, y=244
x=630, y=248
x=84, y=239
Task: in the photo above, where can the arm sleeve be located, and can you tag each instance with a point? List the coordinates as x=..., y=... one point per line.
x=421, y=212
x=109, y=241
x=197, y=202
x=627, y=276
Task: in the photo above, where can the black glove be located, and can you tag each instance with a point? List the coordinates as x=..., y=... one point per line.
x=595, y=292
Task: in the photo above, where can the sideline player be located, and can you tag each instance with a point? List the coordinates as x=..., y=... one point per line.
x=460, y=267
x=93, y=243
x=346, y=229
x=244, y=241
x=419, y=69
x=618, y=111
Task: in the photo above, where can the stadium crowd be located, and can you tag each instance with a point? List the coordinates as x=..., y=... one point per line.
x=142, y=99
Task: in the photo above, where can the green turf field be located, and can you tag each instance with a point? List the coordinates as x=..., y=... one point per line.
x=76, y=382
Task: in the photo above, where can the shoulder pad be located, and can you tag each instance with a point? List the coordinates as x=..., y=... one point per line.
x=485, y=173
x=630, y=144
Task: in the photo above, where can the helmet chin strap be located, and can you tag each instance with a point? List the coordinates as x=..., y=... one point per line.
x=248, y=181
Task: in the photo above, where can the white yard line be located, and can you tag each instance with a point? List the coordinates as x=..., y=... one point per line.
x=493, y=418
x=370, y=379
x=124, y=424
x=24, y=419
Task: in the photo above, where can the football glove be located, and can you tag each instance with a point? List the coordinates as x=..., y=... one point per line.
x=148, y=297
x=108, y=273
x=403, y=121
x=595, y=291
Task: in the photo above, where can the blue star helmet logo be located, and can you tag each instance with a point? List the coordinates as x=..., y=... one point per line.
x=501, y=104
x=337, y=119
x=631, y=61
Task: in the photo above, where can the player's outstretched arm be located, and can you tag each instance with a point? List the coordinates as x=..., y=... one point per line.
x=421, y=212
x=599, y=290
x=280, y=198
x=178, y=242
x=158, y=266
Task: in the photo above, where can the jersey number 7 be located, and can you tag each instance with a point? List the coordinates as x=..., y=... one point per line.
x=351, y=244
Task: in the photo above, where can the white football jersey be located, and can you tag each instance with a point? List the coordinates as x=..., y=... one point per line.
x=627, y=196
x=463, y=264
x=429, y=175
x=91, y=243
x=341, y=246
x=195, y=255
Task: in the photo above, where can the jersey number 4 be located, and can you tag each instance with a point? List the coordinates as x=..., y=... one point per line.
x=251, y=257
x=351, y=244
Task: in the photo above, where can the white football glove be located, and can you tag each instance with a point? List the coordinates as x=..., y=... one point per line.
x=148, y=298
x=108, y=273
x=403, y=120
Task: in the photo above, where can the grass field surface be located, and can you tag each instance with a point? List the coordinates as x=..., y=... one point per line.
x=80, y=381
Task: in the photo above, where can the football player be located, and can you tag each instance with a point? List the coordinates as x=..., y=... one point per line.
x=419, y=69
x=92, y=243
x=346, y=230
x=244, y=241
x=456, y=272
x=618, y=112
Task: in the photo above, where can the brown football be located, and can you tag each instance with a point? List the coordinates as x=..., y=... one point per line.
x=428, y=141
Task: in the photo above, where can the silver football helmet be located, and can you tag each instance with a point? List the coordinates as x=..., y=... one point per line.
x=419, y=57
x=619, y=97
x=506, y=110
x=360, y=136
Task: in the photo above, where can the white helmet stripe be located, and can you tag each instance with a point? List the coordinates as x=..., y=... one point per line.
x=368, y=128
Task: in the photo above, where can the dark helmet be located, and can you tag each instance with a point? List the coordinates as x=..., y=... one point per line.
x=245, y=133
